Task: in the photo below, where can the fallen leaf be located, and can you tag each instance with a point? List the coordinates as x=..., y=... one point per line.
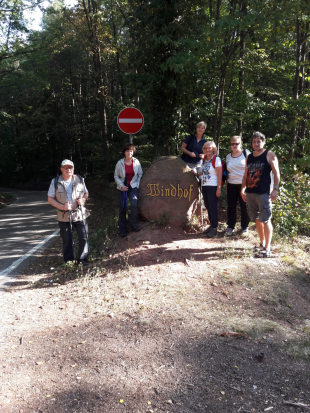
x=233, y=334
x=39, y=362
x=121, y=401
x=222, y=392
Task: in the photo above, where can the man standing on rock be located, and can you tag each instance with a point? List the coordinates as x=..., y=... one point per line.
x=68, y=194
x=257, y=190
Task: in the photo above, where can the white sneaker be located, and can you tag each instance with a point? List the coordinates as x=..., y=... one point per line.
x=229, y=231
x=245, y=231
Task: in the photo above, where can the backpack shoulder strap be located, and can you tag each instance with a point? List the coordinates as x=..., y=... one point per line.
x=56, y=179
x=213, y=161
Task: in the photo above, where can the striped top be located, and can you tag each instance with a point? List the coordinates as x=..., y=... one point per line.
x=235, y=168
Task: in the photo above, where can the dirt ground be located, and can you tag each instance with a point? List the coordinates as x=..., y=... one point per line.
x=163, y=321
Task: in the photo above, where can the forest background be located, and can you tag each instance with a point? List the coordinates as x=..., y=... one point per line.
x=239, y=65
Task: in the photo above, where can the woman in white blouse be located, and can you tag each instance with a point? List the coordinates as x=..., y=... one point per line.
x=235, y=163
x=211, y=179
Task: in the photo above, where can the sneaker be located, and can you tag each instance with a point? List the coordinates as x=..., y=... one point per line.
x=135, y=229
x=229, y=231
x=206, y=231
x=212, y=233
x=245, y=231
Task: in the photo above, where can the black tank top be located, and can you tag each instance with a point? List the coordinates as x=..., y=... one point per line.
x=258, y=179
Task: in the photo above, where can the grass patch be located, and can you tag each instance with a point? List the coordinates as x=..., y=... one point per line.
x=301, y=350
x=306, y=327
x=254, y=327
x=6, y=199
x=278, y=296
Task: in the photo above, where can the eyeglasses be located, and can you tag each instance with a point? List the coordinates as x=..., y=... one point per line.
x=67, y=167
x=235, y=144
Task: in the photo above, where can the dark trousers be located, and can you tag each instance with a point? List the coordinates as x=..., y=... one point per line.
x=66, y=235
x=210, y=199
x=122, y=196
x=233, y=196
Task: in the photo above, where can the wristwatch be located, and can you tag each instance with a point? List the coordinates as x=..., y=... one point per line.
x=276, y=187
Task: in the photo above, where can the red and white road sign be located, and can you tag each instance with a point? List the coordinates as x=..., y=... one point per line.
x=130, y=120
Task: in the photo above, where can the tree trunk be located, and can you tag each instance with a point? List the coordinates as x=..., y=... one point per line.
x=299, y=83
x=90, y=10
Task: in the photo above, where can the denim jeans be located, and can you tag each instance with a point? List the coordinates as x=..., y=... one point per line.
x=66, y=235
x=122, y=196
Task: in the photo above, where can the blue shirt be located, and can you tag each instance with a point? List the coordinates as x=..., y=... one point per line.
x=193, y=146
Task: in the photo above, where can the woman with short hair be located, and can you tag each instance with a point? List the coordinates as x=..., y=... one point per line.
x=127, y=175
x=211, y=180
x=192, y=147
x=235, y=164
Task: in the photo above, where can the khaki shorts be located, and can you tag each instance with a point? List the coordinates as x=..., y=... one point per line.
x=259, y=207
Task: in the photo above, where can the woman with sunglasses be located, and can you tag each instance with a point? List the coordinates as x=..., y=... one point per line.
x=235, y=163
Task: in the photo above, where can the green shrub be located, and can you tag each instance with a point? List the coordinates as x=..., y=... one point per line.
x=291, y=212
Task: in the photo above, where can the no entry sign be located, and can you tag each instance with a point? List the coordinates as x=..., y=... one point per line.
x=130, y=120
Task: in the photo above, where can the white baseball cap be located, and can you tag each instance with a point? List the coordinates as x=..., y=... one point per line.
x=67, y=162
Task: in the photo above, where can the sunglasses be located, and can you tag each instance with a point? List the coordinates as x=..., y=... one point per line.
x=235, y=144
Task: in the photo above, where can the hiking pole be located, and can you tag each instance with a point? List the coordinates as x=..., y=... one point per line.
x=125, y=194
x=71, y=229
x=83, y=220
x=80, y=207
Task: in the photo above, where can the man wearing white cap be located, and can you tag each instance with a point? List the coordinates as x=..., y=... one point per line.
x=68, y=194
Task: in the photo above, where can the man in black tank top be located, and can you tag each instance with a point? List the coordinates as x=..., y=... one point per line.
x=257, y=190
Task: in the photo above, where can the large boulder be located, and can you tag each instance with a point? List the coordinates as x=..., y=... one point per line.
x=168, y=192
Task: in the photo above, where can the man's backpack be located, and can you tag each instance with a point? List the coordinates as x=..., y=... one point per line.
x=224, y=169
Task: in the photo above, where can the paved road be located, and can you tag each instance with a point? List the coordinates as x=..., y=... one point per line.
x=26, y=227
